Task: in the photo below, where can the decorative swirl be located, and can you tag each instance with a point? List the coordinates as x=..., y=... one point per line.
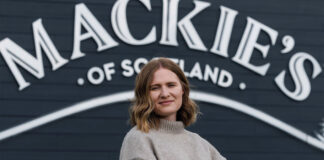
x=320, y=133
x=196, y=95
x=246, y=109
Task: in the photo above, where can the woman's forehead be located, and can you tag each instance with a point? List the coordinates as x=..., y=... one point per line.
x=163, y=75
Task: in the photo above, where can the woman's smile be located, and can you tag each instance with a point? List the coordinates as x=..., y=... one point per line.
x=166, y=102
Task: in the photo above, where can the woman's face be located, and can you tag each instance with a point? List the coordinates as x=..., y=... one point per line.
x=166, y=92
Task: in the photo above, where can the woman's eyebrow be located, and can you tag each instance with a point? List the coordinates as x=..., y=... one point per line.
x=156, y=84
x=162, y=83
x=172, y=82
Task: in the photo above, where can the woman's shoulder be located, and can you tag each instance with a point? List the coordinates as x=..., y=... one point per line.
x=202, y=142
x=197, y=137
x=133, y=131
x=194, y=135
x=136, y=144
x=134, y=134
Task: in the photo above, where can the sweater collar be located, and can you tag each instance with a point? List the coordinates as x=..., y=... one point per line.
x=171, y=126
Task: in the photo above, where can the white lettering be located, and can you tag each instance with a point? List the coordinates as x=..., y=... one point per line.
x=96, y=71
x=187, y=29
x=224, y=31
x=169, y=22
x=249, y=42
x=209, y=74
x=138, y=64
x=299, y=76
x=196, y=72
x=83, y=17
x=120, y=25
x=225, y=79
x=109, y=70
x=126, y=66
x=14, y=54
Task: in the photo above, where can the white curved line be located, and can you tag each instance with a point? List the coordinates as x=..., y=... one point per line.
x=76, y=108
x=238, y=106
x=195, y=95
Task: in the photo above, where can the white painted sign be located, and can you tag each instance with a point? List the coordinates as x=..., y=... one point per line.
x=15, y=56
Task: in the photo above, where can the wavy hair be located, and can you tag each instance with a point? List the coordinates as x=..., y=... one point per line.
x=142, y=110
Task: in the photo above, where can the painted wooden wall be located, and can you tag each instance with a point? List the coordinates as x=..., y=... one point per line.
x=97, y=134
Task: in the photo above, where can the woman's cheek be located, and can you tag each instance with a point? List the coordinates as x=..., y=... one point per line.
x=154, y=96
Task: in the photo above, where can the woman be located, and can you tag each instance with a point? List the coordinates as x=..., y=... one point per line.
x=161, y=110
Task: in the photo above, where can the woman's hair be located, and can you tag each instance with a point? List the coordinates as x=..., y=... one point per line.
x=142, y=111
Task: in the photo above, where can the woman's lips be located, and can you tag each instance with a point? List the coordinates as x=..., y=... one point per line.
x=165, y=102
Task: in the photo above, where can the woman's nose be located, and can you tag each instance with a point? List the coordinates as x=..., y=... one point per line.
x=165, y=92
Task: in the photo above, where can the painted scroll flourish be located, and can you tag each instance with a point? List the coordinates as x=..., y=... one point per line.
x=195, y=95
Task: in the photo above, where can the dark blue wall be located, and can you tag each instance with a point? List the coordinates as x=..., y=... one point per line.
x=97, y=134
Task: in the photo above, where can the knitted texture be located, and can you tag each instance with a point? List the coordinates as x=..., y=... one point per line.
x=170, y=142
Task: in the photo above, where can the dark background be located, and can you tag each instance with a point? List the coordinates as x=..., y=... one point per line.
x=97, y=134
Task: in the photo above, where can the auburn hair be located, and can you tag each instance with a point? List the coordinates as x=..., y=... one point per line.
x=142, y=110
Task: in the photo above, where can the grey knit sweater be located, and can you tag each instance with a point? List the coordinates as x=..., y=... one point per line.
x=170, y=142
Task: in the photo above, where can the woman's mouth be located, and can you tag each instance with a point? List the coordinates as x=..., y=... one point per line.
x=166, y=102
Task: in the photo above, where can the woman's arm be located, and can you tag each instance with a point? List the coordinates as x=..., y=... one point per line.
x=215, y=155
